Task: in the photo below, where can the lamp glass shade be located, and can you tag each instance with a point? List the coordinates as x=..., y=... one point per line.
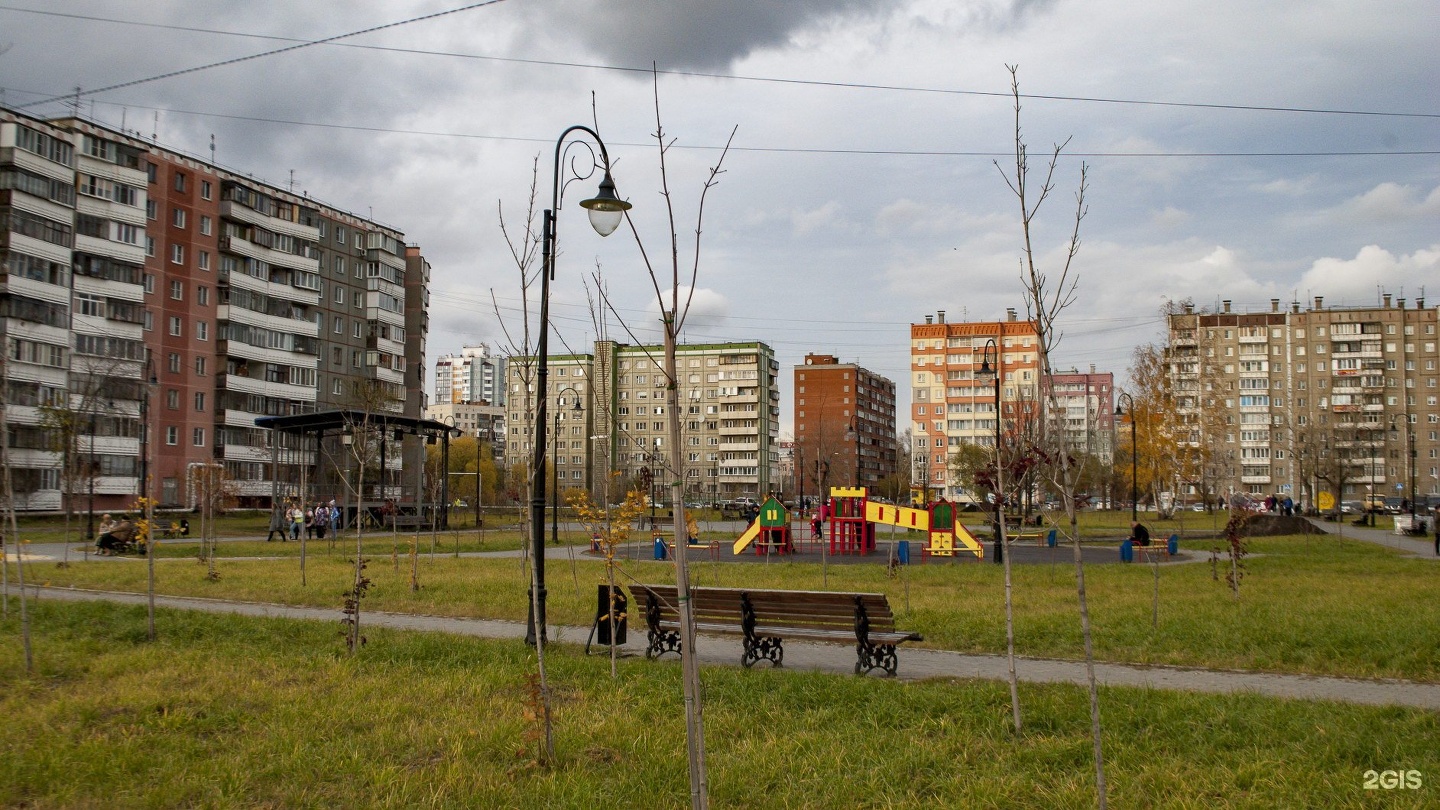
x=606, y=209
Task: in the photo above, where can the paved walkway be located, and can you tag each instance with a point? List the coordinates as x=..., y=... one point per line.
x=1415, y=546
x=915, y=664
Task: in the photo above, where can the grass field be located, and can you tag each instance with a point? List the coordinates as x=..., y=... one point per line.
x=1311, y=605
x=226, y=711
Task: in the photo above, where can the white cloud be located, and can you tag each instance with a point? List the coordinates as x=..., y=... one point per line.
x=1388, y=202
x=806, y=222
x=1356, y=281
x=1169, y=218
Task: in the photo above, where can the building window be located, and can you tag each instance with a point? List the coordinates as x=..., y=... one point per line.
x=172, y=399
x=175, y=326
x=355, y=331
x=339, y=294
x=200, y=366
x=149, y=321
x=150, y=246
x=174, y=363
x=205, y=225
x=202, y=295
x=198, y=437
x=359, y=300
x=178, y=217
x=205, y=189
x=172, y=435
x=149, y=283
x=339, y=325
x=203, y=260
x=177, y=254
x=177, y=290
x=202, y=330
x=179, y=186
x=152, y=209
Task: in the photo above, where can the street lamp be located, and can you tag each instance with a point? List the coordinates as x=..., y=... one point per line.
x=555, y=461
x=606, y=211
x=1410, y=436
x=854, y=433
x=991, y=349
x=1134, y=455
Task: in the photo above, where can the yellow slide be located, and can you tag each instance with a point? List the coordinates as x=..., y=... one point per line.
x=748, y=537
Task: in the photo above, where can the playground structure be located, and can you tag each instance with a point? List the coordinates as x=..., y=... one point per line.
x=851, y=526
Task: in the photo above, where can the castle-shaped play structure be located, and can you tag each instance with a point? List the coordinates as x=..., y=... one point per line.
x=851, y=526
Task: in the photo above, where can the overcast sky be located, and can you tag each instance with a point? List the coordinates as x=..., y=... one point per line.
x=1236, y=150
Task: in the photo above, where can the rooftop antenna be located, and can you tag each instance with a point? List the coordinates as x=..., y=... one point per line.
x=212, y=149
x=292, y=181
x=155, y=127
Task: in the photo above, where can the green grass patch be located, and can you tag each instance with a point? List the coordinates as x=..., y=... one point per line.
x=228, y=711
x=1311, y=605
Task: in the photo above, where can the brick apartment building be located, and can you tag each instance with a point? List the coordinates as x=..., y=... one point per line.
x=1294, y=401
x=844, y=425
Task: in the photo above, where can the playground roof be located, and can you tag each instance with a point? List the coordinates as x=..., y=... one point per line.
x=323, y=421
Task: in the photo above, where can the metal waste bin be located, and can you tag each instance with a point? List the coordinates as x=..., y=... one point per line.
x=902, y=551
x=659, y=548
x=1127, y=551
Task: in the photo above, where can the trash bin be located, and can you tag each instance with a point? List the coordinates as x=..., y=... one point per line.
x=1127, y=551
x=659, y=548
x=1173, y=547
x=902, y=551
x=1050, y=539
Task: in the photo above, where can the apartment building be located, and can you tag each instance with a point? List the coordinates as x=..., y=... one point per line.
x=1084, y=403
x=475, y=375
x=607, y=412
x=951, y=405
x=844, y=423
x=1294, y=401
x=205, y=297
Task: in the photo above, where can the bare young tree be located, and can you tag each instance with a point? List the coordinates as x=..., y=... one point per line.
x=1047, y=297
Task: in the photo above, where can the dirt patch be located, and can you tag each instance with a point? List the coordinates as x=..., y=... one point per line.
x=1274, y=525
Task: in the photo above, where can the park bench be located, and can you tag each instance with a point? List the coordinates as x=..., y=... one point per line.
x=765, y=618
x=1156, y=549
x=409, y=522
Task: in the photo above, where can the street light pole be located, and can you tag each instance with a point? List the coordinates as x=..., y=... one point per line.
x=1134, y=457
x=992, y=349
x=606, y=211
x=555, y=463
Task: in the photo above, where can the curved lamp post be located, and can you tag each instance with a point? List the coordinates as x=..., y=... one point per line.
x=555, y=461
x=1134, y=454
x=992, y=349
x=606, y=212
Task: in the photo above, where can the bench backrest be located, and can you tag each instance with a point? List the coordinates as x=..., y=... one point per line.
x=808, y=609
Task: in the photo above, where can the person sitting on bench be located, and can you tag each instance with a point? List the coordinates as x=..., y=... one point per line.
x=1139, y=534
x=114, y=535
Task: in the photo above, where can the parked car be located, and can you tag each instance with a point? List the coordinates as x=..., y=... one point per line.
x=1199, y=507
x=1351, y=508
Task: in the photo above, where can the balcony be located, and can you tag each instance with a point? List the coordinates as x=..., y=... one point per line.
x=1254, y=479
x=277, y=390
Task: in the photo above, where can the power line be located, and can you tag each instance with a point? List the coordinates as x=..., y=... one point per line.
x=302, y=44
x=693, y=74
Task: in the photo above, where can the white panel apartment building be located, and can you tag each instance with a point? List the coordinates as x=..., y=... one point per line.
x=730, y=421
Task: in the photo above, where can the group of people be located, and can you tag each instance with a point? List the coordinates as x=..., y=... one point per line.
x=1280, y=503
x=315, y=521
x=113, y=535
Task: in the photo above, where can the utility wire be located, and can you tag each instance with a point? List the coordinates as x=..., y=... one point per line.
x=763, y=149
x=302, y=44
x=647, y=70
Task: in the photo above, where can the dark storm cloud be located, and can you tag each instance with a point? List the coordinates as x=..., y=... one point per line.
x=694, y=34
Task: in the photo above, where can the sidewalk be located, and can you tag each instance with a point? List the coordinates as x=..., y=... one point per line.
x=915, y=664
x=1423, y=547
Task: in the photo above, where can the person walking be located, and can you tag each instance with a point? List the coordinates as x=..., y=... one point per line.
x=297, y=521
x=277, y=525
